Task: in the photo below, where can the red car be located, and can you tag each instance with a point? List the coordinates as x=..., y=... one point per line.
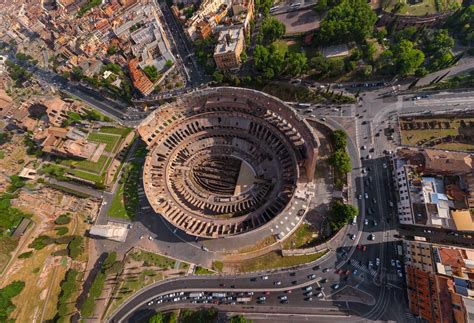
x=267, y=293
x=348, y=272
x=359, y=247
x=364, y=248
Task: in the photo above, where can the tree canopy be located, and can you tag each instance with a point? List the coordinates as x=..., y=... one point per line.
x=407, y=58
x=271, y=30
x=341, y=161
x=341, y=214
x=351, y=20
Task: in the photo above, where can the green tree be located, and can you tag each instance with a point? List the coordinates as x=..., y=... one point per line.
x=156, y=318
x=173, y=318
x=296, y=64
x=407, y=58
x=321, y=6
x=341, y=161
x=341, y=214
x=351, y=20
x=218, y=76
x=6, y=295
x=339, y=139
x=239, y=319
x=271, y=30
x=151, y=72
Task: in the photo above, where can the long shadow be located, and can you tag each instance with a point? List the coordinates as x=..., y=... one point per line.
x=87, y=284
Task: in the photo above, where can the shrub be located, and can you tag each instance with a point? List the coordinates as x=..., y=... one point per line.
x=41, y=242
x=60, y=231
x=62, y=219
x=26, y=255
x=75, y=247
x=6, y=295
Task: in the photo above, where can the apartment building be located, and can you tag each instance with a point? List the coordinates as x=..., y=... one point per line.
x=230, y=46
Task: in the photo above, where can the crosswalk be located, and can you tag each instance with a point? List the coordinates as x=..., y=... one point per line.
x=363, y=268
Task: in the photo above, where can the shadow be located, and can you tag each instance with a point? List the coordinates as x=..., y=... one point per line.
x=87, y=284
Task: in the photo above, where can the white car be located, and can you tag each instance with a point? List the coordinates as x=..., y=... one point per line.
x=359, y=197
x=377, y=261
x=264, y=277
x=399, y=273
x=366, y=195
x=366, y=222
x=384, y=165
x=283, y=298
x=392, y=262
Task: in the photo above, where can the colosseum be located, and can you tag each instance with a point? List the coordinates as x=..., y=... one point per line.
x=225, y=161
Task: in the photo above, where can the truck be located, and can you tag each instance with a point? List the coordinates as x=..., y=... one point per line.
x=243, y=299
x=196, y=294
x=219, y=295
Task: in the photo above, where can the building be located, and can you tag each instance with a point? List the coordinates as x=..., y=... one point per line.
x=440, y=282
x=114, y=231
x=434, y=188
x=71, y=143
x=418, y=255
x=229, y=47
x=139, y=79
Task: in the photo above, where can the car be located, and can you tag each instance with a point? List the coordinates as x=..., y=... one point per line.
x=335, y=286
x=266, y=293
x=308, y=288
x=150, y=303
x=319, y=295
x=221, y=285
x=384, y=165
x=308, y=299
x=294, y=282
x=277, y=283
x=392, y=262
x=285, y=301
x=348, y=272
x=363, y=147
x=374, y=201
x=354, y=272
x=352, y=236
x=377, y=261
x=311, y=276
x=370, y=264
x=359, y=196
x=310, y=293
x=150, y=238
x=399, y=273
x=375, y=223
x=289, y=291
x=293, y=274
x=338, y=271
x=262, y=298
x=323, y=281
x=283, y=297
x=371, y=237
x=264, y=277
x=316, y=267
x=364, y=248
x=366, y=222
x=399, y=265
x=253, y=279
x=325, y=270
x=366, y=195
x=354, y=220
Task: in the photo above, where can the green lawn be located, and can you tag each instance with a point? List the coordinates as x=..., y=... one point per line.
x=302, y=237
x=116, y=131
x=274, y=260
x=86, y=165
x=285, y=46
x=202, y=271
x=125, y=201
x=154, y=259
x=110, y=140
x=87, y=176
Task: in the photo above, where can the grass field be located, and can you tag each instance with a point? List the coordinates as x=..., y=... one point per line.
x=425, y=7
x=274, y=260
x=110, y=140
x=125, y=201
x=96, y=171
x=303, y=237
x=422, y=137
x=154, y=259
x=203, y=271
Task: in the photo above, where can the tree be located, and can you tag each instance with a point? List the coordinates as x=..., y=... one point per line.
x=151, y=72
x=341, y=214
x=339, y=139
x=218, y=76
x=271, y=30
x=156, y=318
x=407, y=58
x=351, y=20
x=173, y=318
x=321, y=6
x=341, y=161
x=239, y=319
x=296, y=64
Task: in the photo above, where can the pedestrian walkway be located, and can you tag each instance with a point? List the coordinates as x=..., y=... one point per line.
x=363, y=268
